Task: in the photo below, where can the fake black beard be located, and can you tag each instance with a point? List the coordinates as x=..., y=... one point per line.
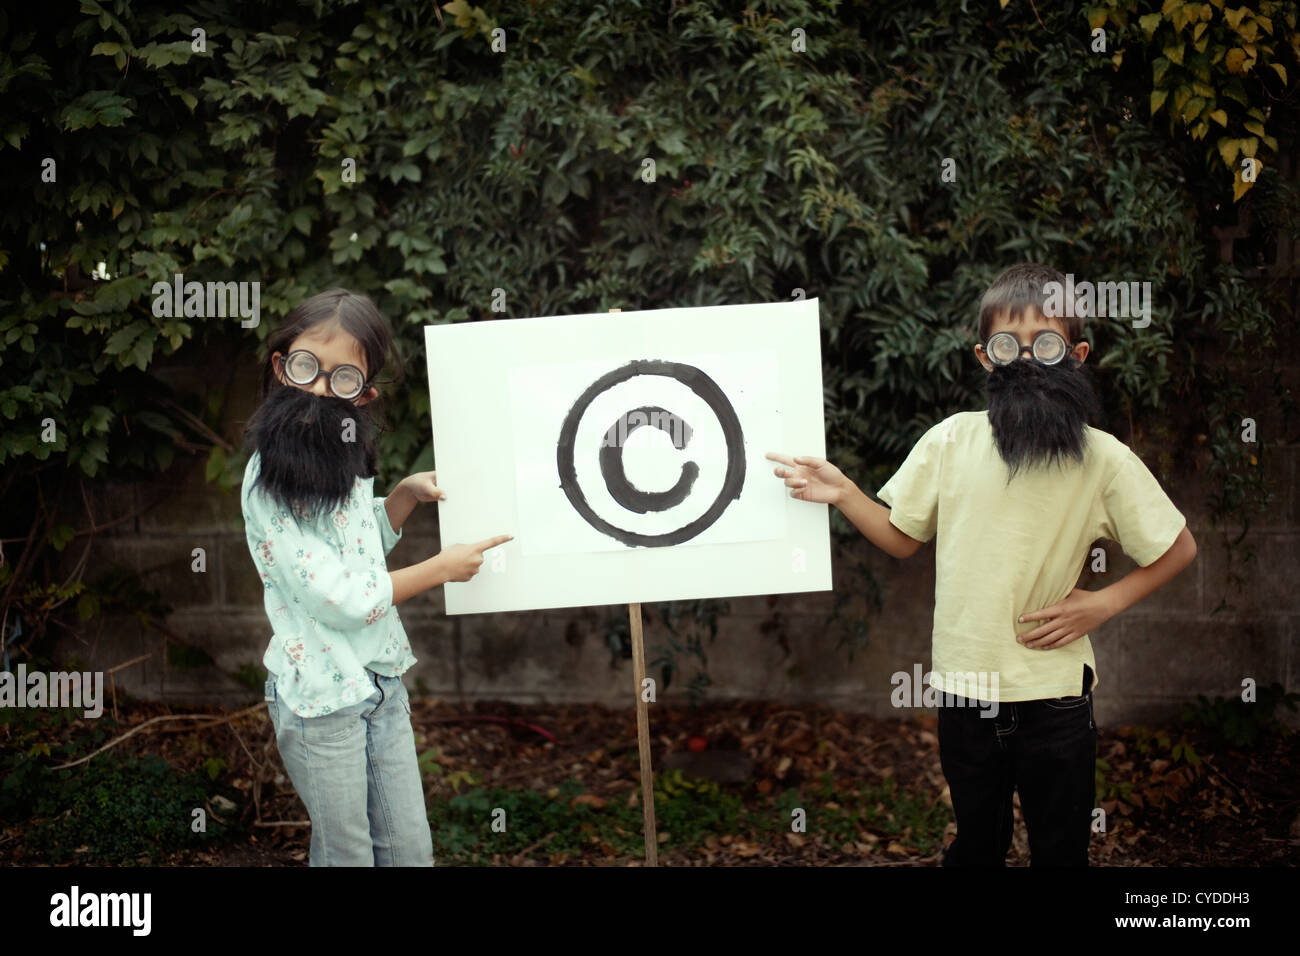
x=1038, y=412
x=307, y=466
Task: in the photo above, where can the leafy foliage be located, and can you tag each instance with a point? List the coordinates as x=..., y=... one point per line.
x=1207, y=53
x=114, y=810
x=217, y=143
x=1238, y=723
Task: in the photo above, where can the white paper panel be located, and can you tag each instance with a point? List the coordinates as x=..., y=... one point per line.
x=502, y=391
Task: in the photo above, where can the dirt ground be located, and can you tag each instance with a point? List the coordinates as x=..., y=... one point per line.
x=1234, y=809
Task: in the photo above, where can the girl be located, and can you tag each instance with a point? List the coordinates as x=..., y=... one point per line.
x=317, y=534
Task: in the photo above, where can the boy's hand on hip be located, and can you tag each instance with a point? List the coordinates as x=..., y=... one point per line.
x=1067, y=620
x=422, y=486
x=813, y=479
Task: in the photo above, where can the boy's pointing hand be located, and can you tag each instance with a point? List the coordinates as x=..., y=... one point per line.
x=1067, y=620
x=813, y=479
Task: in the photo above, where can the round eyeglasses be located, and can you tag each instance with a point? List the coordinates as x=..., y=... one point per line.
x=1048, y=348
x=303, y=368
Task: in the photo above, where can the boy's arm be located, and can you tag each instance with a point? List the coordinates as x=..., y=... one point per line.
x=1141, y=582
x=1082, y=611
x=815, y=479
x=872, y=519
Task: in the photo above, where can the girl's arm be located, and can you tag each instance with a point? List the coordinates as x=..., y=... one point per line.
x=457, y=562
x=399, y=504
x=408, y=582
x=410, y=491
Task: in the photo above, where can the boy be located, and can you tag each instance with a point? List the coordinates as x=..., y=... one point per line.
x=1016, y=495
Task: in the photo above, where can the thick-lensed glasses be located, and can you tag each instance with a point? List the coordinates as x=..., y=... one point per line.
x=303, y=368
x=1048, y=348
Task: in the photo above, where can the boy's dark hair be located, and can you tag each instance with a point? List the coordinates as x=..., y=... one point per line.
x=1019, y=288
x=355, y=314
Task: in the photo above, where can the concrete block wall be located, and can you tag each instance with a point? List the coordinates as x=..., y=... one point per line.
x=1151, y=659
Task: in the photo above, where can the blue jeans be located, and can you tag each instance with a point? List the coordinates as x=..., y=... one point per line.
x=356, y=772
x=1046, y=749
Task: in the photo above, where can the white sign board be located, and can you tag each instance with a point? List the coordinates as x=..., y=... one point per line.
x=625, y=453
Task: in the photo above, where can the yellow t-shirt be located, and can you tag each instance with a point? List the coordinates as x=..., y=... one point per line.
x=1005, y=549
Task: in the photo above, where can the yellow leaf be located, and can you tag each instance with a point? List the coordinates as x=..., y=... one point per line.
x=1234, y=58
x=1281, y=70
x=1200, y=28
x=1175, y=53
x=1117, y=58
x=1228, y=150
x=1240, y=187
x=1201, y=44
x=1158, y=98
x=1004, y=3
x=1264, y=22
x=1150, y=22
x=1248, y=146
x=1254, y=127
x=1220, y=117
x=1271, y=143
x=1097, y=19
x=1234, y=16
x=1192, y=109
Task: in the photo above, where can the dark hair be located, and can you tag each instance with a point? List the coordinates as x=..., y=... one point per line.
x=293, y=482
x=354, y=314
x=308, y=466
x=1019, y=288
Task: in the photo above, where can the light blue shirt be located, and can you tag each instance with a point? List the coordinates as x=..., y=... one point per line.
x=328, y=597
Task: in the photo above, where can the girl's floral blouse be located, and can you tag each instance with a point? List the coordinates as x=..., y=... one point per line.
x=328, y=597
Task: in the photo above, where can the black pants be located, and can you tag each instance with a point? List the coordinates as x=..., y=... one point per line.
x=1045, y=748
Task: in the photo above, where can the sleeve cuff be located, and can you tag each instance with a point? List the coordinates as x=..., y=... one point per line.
x=390, y=537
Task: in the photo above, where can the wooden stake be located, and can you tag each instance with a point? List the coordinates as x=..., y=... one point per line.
x=643, y=737
x=643, y=733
